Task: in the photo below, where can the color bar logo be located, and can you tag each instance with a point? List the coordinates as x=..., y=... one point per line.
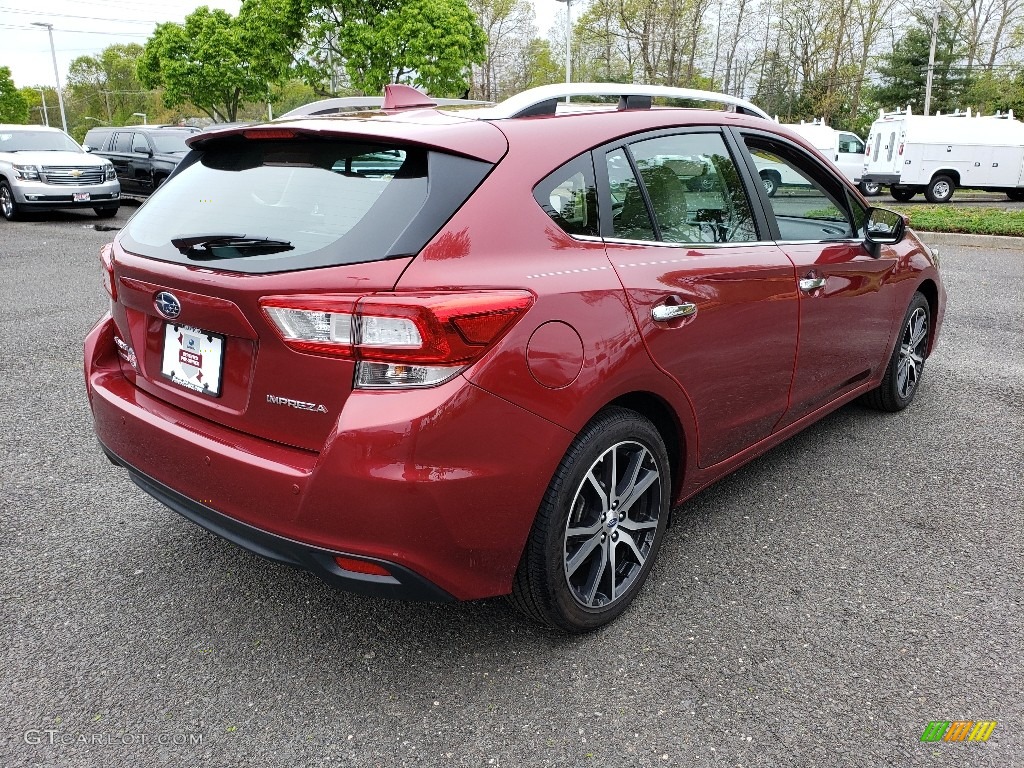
x=959, y=730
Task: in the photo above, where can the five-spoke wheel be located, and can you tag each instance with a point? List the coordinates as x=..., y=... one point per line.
x=903, y=373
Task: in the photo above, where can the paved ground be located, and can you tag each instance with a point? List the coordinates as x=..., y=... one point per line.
x=818, y=608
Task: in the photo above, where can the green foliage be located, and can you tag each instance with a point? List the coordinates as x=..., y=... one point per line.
x=216, y=61
x=106, y=87
x=904, y=71
x=13, y=105
x=541, y=67
x=426, y=43
x=975, y=221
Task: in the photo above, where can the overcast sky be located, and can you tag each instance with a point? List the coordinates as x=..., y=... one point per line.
x=86, y=27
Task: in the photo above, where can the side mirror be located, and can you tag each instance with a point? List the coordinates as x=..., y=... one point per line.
x=884, y=227
x=87, y=148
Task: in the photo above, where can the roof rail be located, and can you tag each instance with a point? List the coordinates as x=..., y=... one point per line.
x=544, y=99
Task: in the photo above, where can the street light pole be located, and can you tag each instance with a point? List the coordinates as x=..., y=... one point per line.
x=931, y=65
x=142, y=115
x=568, y=42
x=46, y=116
x=56, y=72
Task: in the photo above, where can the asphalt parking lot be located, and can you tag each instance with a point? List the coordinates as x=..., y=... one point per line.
x=818, y=608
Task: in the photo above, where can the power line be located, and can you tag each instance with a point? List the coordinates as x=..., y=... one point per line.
x=72, y=16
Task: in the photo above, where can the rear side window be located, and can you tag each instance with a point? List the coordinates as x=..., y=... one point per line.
x=139, y=143
x=569, y=197
x=279, y=205
x=122, y=142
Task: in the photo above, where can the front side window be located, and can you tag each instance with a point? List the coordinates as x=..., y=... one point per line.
x=809, y=204
x=139, y=144
x=569, y=197
x=851, y=144
x=123, y=142
x=694, y=189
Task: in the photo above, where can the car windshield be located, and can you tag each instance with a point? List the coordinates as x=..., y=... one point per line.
x=169, y=142
x=37, y=141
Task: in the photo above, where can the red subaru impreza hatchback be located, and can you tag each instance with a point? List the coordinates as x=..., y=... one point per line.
x=450, y=354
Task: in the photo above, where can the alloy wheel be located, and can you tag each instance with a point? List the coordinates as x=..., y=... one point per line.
x=912, y=350
x=612, y=525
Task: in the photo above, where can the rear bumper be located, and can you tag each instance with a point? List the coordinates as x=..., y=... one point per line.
x=885, y=179
x=440, y=485
x=402, y=584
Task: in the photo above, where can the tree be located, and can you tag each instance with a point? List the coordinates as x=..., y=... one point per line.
x=106, y=86
x=217, y=61
x=903, y=72
x=426, y=43
x=509, y=28
x=13, y=106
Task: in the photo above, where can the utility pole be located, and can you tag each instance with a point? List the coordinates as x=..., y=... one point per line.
x=106, y=96
x=568, y=42
x=931, y=64
x=56, y=72
x=46, y=116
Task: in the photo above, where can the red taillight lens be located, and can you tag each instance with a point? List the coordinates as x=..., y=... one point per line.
x=398, y=339
x=107, y=267
x=901, y=149
x=269, y=133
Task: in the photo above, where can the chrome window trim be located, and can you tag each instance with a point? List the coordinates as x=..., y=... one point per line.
x=666, y=244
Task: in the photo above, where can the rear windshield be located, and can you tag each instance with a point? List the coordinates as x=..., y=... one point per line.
x=170, y=142
x=278, y=205
x=37, y=141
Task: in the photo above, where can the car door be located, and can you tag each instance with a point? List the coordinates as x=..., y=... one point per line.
x=846, y=298
x=142, y=163
x=120, y=153
x=715, y=304
x=850, y=155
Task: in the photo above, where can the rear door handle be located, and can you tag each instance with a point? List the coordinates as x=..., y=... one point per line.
x=809, y=284
x=664, y=312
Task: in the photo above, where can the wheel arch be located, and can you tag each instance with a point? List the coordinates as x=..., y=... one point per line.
x=954, y=175
x=660, y=413
x=930, y=291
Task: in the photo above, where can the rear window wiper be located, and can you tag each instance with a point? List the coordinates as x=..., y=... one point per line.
x=206, y=247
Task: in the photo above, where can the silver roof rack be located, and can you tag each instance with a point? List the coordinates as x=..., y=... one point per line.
x=544, y=99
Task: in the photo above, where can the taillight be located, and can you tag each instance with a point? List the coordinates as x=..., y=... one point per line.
x=107, y=268
x=398, y=340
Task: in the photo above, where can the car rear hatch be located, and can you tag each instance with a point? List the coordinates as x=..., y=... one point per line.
x=233, y=283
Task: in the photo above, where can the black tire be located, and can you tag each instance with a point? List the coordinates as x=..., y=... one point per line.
x=106, y=213
x=940, y=189
x=1017, y=195
x=897, y=391
x=8, y=205
x=771, y=181
x=584, y=599
x=903, y=194
x=869, y=189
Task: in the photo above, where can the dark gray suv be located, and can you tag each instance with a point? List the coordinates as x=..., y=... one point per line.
x=143, y=156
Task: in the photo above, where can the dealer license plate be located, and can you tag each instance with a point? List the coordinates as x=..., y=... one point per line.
x=193, y=358
x=80, y=197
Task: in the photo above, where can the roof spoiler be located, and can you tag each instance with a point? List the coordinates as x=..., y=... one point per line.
x=397, y=97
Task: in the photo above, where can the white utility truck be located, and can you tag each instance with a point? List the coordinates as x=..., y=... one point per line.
x=936, y=154
x=844, y=149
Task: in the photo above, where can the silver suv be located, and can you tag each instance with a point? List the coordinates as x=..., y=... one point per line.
x=43, y=169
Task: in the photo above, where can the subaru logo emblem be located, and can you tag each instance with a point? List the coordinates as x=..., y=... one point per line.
x=167, y=305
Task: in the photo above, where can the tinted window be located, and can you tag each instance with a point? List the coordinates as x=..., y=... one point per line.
x=878, y=143
x=694, y=189
x=320, y=203
x=569, y=197
x=891, y=146
x=810, y=204
x=27, y=141
x=630, y=217
x=169, y=142
x=122, y=142
x=139, y=143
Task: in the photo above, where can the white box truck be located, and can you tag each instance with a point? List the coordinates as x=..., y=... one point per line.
x=845, y=149
x=939, y=153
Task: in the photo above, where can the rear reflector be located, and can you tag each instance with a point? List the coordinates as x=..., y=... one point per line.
x=361, y=566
